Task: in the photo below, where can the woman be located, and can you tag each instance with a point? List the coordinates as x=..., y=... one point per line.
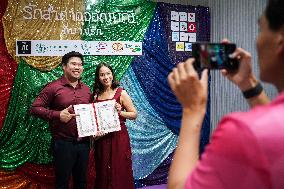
x=246, y=150
x=112, y=151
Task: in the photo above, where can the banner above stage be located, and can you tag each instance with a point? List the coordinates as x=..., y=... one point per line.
x=61, y=47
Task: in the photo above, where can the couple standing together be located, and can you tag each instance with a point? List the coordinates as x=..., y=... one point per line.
x=71, y=153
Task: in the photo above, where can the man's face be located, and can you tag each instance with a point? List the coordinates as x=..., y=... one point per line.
x=73, y=69
x=267, y=45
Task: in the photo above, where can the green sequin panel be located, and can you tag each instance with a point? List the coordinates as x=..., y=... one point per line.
x=25, y=138
x=118, y=21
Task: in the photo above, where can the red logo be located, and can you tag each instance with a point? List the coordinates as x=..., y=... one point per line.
x=192, y=27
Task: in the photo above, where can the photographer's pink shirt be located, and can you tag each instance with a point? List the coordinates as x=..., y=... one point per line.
x=246, y=151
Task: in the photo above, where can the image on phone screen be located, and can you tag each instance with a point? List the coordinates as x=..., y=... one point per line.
x=214, y=56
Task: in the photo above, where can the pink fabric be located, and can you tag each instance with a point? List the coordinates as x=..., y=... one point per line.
x=246, y=151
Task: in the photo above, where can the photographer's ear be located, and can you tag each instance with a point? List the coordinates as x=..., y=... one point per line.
x=280, y=42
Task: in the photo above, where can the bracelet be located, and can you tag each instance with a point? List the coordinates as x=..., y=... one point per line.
x=252, y=92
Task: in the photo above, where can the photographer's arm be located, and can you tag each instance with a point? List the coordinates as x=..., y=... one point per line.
x=258, y=100
x=192, y=94
x=257, y=95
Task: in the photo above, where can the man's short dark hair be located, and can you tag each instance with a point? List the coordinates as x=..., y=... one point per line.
x=274, y=13
x=69, y=55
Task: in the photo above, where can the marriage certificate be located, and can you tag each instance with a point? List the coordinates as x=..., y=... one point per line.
x=96, y=117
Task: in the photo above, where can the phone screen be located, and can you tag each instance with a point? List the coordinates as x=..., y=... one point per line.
x=214, y=56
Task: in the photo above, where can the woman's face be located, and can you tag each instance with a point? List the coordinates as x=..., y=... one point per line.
x=105, y=76
x=267, y=45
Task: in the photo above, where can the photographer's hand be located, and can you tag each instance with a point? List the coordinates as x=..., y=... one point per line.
x=190, y=91
x=244, y=78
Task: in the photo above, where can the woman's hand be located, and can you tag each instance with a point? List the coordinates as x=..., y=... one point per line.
x=118, y=107
x=99, y=134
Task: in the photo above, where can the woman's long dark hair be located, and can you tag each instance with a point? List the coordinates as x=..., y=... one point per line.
x=98, y=86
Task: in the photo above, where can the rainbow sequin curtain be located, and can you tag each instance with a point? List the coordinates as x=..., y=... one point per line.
x=25, y=160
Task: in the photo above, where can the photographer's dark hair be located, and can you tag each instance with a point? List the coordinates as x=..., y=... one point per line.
x=274, y=13
x=98, y=87
x=69, y=55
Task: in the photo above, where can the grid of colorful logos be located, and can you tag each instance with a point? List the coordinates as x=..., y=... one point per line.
x=183, y=27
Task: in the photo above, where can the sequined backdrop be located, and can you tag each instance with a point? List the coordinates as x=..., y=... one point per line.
x=25, y=160
x=36, y=28
x=8, y=68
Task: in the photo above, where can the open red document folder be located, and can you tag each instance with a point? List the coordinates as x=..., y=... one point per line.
x=95, y=117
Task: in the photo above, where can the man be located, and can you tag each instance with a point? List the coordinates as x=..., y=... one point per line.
x=246, y=150
x=54, y=104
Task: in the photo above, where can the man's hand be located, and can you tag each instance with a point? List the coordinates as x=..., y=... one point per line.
x=65, y=115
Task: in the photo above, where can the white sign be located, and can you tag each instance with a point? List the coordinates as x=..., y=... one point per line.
x=61, y=47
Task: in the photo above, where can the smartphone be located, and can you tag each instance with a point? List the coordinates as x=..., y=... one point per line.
x=214, y=56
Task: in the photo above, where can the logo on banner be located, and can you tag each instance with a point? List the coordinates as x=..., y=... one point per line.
x=24, y=47
x=117, y=47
